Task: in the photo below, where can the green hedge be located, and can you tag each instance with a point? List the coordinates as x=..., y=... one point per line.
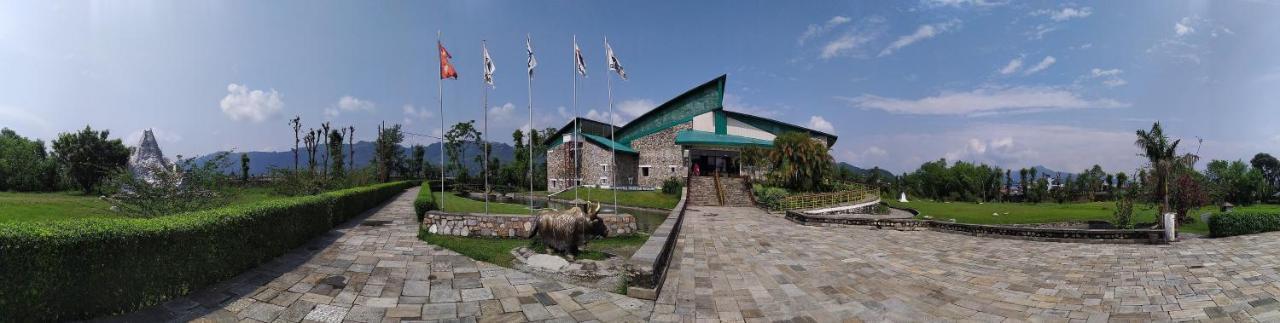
x=425, y=201
x=55, y=271
x=1238, y=223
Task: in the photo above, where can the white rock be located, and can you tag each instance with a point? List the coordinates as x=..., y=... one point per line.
x=432, y=229
x=547, y=262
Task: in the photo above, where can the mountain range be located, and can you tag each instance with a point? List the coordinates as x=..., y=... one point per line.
x=261, y=161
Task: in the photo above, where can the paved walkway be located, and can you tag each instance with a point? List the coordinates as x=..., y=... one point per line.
x=377, y=270
x=741, y=264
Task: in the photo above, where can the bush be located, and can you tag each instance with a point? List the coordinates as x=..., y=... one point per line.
x=1238, y=223
x=1123, y=215
x=769, y=196
x=68, y=270
x=426, y=201
x=672, y=186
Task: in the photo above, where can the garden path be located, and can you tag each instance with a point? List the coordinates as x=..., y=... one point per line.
x=742, y=264
x=375, y=269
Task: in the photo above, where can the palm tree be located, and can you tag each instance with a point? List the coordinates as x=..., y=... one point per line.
x=1161, y=153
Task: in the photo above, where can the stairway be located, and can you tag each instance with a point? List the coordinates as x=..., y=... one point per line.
x=702, y=191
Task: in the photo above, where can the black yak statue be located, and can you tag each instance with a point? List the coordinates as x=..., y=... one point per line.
x=568, y=230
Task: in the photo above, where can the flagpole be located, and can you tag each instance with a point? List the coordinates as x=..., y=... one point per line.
x=440, y=96
x=532, y=130
x=613, y=151
x=576, y=170
x=485, y=136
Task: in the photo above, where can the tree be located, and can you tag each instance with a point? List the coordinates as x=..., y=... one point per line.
x=387, y=152
x=324, y=134
x=454, y=141
x=1022, y=182
x=1270, y=169
x=800, y=163
x=336, y=170
x=25, y=164
x=244, y=167
x=1008, y=183
x=1121, y=179
x=1160, y=153
x=417, y=156
x=88, y=156
x=296, y=122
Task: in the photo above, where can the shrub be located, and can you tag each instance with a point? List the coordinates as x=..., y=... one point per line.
x=68, y=270
x=769, y=196
x=672, y=186
x=1123, y=215
x=1238, y=223
x=426, y=201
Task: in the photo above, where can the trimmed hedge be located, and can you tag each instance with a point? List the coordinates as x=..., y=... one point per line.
x=82, y=269
x=1238, y=223
x=425, y=201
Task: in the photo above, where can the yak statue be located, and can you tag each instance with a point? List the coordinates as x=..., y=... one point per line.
x=568, y=230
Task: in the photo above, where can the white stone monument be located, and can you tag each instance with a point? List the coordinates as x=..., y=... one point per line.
x=147, y=159
x=903, y=198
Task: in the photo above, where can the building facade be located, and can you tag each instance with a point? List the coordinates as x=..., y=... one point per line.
x=691, y=132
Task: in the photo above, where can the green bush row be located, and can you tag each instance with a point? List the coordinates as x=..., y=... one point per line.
x=425, y=201
x=55, y=271
x=1238, y=223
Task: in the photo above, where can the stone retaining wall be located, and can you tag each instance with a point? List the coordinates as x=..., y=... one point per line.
x=995, y=231
x=508, y=226
x=647, y=268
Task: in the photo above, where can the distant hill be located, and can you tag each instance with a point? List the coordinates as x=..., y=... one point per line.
x=1040, y=171
x=261, y=161
x=866, y=171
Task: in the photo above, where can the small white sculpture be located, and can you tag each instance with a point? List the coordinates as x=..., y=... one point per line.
x=903, y=198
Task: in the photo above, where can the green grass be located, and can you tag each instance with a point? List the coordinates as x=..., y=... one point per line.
x=648, y=199
x=1024, y=213
x=63, y=206
x=457, y=204
x=498, y=251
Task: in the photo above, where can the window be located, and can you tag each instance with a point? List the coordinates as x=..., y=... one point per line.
x=673, y=168
x=644, y=170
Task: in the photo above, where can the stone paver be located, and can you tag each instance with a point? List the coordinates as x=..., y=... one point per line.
x=742, y=264
x=380, y=271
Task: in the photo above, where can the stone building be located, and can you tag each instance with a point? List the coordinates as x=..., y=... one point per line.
x=691, y=129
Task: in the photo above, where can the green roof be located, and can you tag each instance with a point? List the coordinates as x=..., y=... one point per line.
x=694, y=137
x=610, y=143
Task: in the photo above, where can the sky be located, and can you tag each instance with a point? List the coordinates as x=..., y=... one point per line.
x=1013, y=84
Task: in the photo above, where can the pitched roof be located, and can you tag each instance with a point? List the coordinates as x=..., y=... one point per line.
x=606, y=143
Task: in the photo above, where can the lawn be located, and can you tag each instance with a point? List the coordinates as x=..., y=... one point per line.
x=62, y=206
x=648, y=199
x=1021, y=213
x=498, y=251
x=457, y=204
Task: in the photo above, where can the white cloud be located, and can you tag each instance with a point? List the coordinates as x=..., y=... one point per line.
x=963, y=3
x=815, y=30
x=843, y=45
x=869, y=156
x=634, y=108
x=1110, y=78
x=735, y=103
x=1013, y=66
x=1064, y=14
x=923, y=32
x=1058, y=147
x=1044, y=63
x=983, y=101
x=348, y=103
x=603, y=116
x=242, y=103
x=1189, y=37
x=412, y=113
x=502, y=111
x=1183, y=27
x=820, y=124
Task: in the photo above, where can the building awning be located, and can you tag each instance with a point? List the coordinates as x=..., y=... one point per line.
x=694, y=137
x=610, y=144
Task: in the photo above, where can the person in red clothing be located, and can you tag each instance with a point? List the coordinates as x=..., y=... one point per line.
x=696, y=171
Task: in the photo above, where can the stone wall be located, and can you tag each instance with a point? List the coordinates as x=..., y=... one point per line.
x=507, y=226
x=560, y=166
x=660, y=151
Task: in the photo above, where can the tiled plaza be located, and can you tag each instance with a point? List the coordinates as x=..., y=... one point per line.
x=741, y=264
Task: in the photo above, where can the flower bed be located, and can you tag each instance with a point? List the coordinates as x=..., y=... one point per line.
x=82, y=269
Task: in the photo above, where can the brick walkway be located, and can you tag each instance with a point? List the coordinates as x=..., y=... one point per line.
x=743, y=264
x=388, y=275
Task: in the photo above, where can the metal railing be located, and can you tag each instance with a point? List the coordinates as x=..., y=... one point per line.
x=856, y=194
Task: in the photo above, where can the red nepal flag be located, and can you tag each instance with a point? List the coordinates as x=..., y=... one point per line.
x=446, y=68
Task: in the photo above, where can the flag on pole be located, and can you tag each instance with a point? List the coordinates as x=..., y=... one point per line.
x=528, y=46
x=614, y=64
x=446, y=68
x=582, y=64
x=488, y=66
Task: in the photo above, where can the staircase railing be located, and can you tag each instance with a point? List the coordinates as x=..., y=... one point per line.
x=719, y=189
x=859, y=193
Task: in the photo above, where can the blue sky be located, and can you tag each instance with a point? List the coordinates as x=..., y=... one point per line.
x=1013, y=84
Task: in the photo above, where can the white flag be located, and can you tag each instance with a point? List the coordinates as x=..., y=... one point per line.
x=528, y=46
x=614, y=64
x=488, y=66
x=582, y=64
